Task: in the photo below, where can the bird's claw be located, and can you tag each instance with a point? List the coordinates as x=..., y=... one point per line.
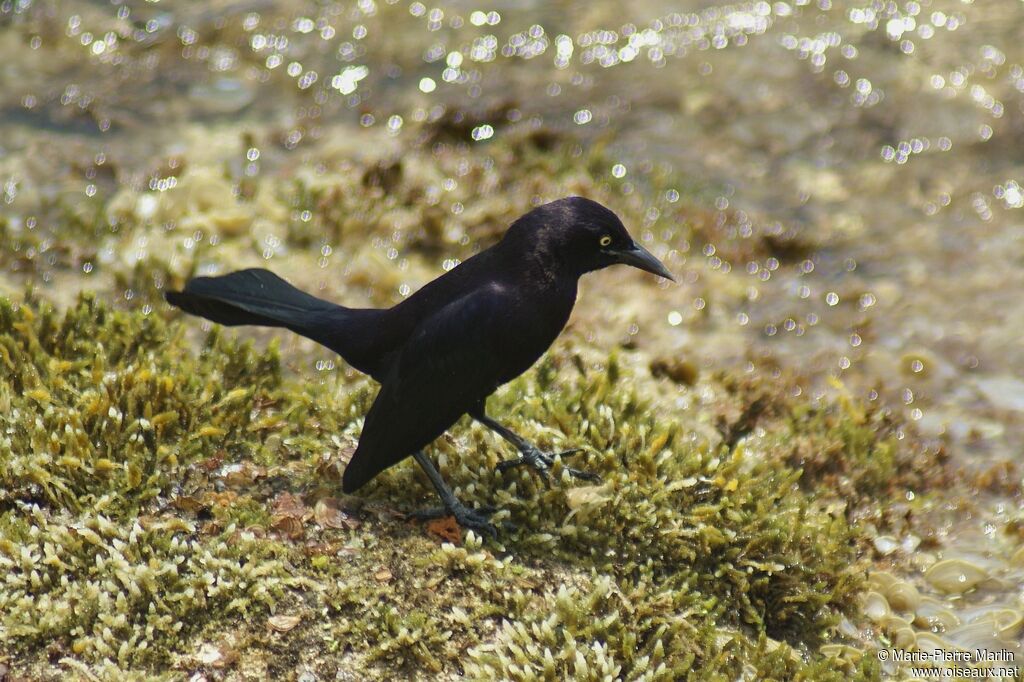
x=541, y=462
x=477, y=520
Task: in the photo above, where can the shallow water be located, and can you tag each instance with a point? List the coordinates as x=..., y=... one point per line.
x=884, y=135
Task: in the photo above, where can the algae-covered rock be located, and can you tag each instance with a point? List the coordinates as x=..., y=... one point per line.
x=103, y=404
x=103, y=588
x=180, y=506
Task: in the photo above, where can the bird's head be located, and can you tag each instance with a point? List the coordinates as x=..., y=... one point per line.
x=582, y=235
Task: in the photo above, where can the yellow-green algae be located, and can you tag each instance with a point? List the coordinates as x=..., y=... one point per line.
x=103, y=413
x=428, y=194
x=138, y=475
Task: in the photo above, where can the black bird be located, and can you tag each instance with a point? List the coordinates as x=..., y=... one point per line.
x=441, y=352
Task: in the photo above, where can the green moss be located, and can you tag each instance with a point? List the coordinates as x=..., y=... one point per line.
x=594, y=632
x=598, y=632
x=677, y=521
x=704, y=553
x=244, y=512
x=101, y=404
x=124, y=591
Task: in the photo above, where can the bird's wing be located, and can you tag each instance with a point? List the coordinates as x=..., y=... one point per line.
x=453, y=359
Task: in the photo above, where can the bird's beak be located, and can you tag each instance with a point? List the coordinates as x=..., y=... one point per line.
x=639, y=257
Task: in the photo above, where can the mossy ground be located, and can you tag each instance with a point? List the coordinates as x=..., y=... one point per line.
x=171, y=505
x=156, y=499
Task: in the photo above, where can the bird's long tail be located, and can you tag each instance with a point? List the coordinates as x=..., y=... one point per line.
x=260, y=297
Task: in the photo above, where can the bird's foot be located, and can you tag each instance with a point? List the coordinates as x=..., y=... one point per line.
x=477, y=520
x=542, y=462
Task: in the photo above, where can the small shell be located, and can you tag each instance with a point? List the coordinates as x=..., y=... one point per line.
x=847, y=629
x=1006, y=621
x=903, y=597
x=904, y=639
x=283, y=623
x=875, y=606
x=881, y=581
x=886, y=544
x=931, y=613
x=922, y=561
x=289, y=526
x=1009, y=622
x=894, y=623
x=774, y=645
x=843, y=651
x=328, y=514
x=927, y=641
x=287, y=504
x=955, y=576
x=982, y=635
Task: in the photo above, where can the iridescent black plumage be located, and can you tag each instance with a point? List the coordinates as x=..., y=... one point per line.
x=441, y=352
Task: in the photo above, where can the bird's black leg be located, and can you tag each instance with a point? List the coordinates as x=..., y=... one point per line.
x=529, y=454
x=477, y=519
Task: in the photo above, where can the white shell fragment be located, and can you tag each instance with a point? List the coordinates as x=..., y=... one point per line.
x=875, y=606
x=955, y=576
x=933, y=614
x=283, y=623
x=886, y=544
x=903, y=597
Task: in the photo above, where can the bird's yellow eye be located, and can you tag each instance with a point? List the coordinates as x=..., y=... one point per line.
x=606, y=240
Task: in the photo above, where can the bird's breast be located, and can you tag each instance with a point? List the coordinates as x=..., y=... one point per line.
x=533, y=324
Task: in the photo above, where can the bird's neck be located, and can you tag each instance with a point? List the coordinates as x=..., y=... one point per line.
x=539, y=266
